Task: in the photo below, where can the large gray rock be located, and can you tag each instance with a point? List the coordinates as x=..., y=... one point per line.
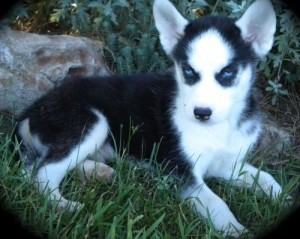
x=31, y=64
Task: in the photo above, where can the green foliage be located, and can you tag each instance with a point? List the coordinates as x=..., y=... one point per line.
x=276, y=89
x=132, y=43
x=17, y=12
x=127, y=28
x=281, y=66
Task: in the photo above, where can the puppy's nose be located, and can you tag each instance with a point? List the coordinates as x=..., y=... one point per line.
x=202, y=113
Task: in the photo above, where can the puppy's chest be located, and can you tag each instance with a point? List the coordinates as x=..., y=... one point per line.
x=206, y=147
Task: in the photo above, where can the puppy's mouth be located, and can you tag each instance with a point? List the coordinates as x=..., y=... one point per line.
x=203, y=119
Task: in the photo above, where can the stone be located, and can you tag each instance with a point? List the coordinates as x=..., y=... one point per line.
x=274, y=137
x=31, y=64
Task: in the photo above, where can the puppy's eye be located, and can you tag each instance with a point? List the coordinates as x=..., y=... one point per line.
x=226, y=76
x=189, y=74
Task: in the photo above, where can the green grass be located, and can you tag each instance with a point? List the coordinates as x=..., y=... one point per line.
x=138, y=203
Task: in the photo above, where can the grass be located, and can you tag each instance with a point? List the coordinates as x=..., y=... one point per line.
x=138, y=203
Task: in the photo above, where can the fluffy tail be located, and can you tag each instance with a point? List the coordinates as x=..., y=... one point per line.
x=31, y=147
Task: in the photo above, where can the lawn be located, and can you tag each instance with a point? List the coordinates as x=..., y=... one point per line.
x=139, y=203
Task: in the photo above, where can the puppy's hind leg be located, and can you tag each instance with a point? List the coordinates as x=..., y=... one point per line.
x=51, y=174
x=104, y=153
x=90, y=169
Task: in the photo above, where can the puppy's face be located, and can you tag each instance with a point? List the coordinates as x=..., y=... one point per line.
x=214, y=70
x=215, y=58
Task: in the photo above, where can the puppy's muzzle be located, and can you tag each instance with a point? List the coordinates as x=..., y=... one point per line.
x=202, y=114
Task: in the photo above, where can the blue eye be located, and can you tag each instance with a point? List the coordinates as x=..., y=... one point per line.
x=189, y=74
x=226, y=76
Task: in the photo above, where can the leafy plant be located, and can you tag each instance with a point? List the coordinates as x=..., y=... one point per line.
x=281, y=66
x=132, y=43
x=276, y=89
x=127, y=28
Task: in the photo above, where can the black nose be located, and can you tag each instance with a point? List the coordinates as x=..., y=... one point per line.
x=202, y=113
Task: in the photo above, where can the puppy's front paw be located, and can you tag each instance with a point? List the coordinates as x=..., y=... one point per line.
x=269, y=185
x=274, y=190
x=234, y=232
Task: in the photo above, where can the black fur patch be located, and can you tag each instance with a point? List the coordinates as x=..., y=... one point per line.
x=63, y=117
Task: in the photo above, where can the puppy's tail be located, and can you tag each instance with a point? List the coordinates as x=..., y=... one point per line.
x=30, y=145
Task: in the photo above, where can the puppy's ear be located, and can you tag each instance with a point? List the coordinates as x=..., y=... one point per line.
x=258, y=25
x=169, y=23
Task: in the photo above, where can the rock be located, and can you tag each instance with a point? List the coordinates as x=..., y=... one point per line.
x=275, y=137
x=31, y=64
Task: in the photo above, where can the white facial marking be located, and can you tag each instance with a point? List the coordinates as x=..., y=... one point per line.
x=209, y=53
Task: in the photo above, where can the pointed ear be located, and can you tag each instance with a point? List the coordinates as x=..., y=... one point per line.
x=169, y=23
x=258, y=25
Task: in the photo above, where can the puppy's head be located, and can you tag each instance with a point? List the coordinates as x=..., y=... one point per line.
x=215, y=57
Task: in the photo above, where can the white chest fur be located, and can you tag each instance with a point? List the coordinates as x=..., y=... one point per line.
x=213, y=147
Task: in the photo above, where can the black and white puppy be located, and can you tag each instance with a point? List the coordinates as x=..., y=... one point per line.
x=203, y=115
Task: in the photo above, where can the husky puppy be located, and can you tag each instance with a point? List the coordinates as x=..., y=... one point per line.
x=203, y=115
